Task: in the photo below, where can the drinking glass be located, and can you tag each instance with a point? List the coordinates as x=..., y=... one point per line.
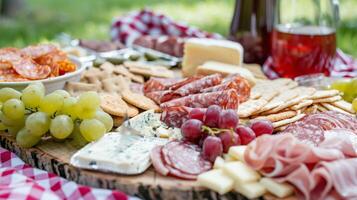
x=303, y=39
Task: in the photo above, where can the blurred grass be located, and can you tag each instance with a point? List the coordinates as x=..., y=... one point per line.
x=43, y=19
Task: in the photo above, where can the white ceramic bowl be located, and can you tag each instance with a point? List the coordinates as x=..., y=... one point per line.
x=51, y=84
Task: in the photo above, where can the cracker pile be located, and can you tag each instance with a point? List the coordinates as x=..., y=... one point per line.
x=282, y=101
x=113, y=84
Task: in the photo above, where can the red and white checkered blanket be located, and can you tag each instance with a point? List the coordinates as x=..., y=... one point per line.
x=146, y=22
x=21, y=181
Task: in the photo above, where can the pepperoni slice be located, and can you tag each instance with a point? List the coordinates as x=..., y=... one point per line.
x=156, y=95
x=28, y=69
x=175, y=116
x=157, y=161
x=185, y=157
x=308, y=133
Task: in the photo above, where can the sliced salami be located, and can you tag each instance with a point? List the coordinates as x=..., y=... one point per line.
x=159, y=84
x=37, y=51
x=228, y=99
x=193, y=87
x=156, y=95
x=185, y=157
x=175, y=116
x=157, y=161
x=308, y=133
x=183, y=82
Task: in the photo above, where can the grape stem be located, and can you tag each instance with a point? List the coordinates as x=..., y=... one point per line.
x=213, y=131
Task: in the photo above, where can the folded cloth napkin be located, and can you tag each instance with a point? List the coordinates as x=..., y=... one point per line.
x=146, y=22
x=345, y=66
x=21, y=181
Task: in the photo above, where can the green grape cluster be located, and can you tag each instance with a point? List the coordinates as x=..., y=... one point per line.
x=32, y=114
x=348, y=87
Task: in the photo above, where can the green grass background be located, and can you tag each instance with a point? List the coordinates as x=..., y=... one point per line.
x=44, y=19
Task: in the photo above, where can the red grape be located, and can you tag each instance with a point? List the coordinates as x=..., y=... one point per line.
x=212, y=116
x=191, y=130
x=229, y=138
x=228, y=119
x=246, y=134
x=212, y=148
x=204, y=136
x=197, y=113
x=261, y=127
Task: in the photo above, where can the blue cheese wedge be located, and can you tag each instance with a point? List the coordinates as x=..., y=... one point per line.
x=149, y=124
x=117, y=152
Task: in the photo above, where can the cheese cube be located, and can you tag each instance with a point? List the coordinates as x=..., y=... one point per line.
x=250, y=190
x=212, y=67
x=228, y=158
x=241, y=172
x=237, y=152
x=199, y=50
x=218, y=163
x=216, y=180
x=278, y=189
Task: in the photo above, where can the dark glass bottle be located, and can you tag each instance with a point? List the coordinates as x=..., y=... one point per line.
x=251, y=26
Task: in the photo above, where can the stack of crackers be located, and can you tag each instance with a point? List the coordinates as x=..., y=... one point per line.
x=282, y=101
x=113, y=84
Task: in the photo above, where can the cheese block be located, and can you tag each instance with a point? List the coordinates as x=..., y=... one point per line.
x=212, y=67
x=148, y=123
x=241, y=172
x=117, y=152
x=237, y=152
x=280, y=190
x=250, y=190
x=216, y=180
x=218, y=163
x=228, y=158
x=197, y=51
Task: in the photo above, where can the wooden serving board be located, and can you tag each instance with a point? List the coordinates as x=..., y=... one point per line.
x=54, y=157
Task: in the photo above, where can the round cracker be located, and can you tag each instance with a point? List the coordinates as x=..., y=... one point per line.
x=113, y=104
x=139, y=100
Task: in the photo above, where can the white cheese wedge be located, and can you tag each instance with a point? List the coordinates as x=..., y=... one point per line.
x=237, y=152
x=250, y=190
x=241, y=172
x=199, y=50
x=116, y=152
x=218, y=163
x=216, y=180
x=278, y=189
x=148, y=123
x=212, y=67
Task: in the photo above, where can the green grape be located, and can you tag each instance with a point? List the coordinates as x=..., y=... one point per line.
x=25, y=139
x=105, y=118
x=340, y=85
x=32, y=95
x=13, y=130
x=353, y=87
x=61, y=126
x=2, y=126
x=76, y=139
x=63, y=93
x=89, y=100
x=354, y=104
x=83, y=112
x=10, y=122
x=9, y=93
x=92, y=129
x=38, y=123
x=14, y=109
x=69, y=107
x=51, y=103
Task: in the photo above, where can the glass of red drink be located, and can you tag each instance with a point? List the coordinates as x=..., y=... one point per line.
x=303, y=40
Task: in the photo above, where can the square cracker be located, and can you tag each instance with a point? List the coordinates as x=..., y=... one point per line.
x=302, y=104
x=247, y=108
x=279, y=116
x=344, y=105
x=334, y=108
x=319, y=94
x=288, y=121
x=287, y=104
x=328, y=99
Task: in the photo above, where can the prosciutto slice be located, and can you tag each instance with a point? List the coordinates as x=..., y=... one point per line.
x=319, y=172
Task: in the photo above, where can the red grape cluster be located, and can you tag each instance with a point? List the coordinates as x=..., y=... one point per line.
x=216, y=130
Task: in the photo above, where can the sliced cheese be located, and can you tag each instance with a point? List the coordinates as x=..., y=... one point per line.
x=241, y=172
x=228, y=158
x=116, y=152
x=216, y=180
x=212, y=67
x=237, y=152
x=250, y=190
x=218, y=163
x=199, y=50
x=278, y=189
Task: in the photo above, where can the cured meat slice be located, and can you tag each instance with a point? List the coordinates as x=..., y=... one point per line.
x=308, y=133
x=157, y=161
x=175, y=116
x=37, y=51
x=193, y=87
x=156, y=95
x=228, y=99
x=183, y=82
x=159, y=84
x=185, y=157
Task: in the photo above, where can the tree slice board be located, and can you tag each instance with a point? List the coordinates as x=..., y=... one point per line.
x=54, y=157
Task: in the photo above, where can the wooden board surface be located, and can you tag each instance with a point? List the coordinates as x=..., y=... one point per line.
x=54, y=157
